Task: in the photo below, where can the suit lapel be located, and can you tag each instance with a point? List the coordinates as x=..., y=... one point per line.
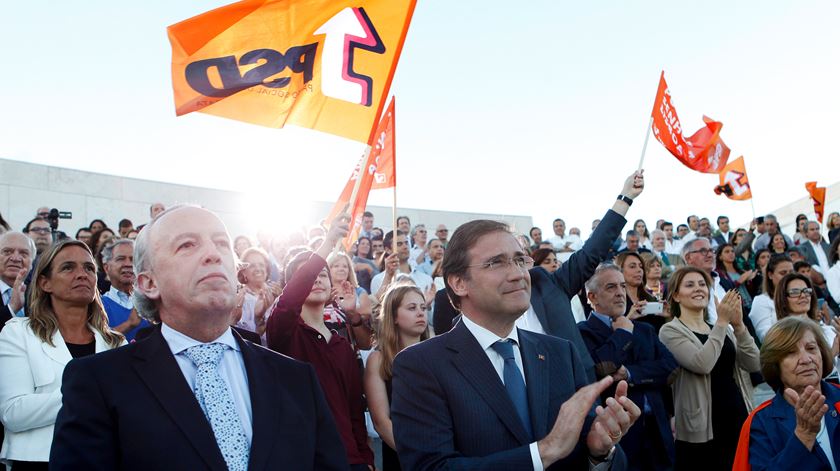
x=157, y=367
x=535, y=360
x=539, y=307
x=472, y=362
x=262, y=386
x=59, y=352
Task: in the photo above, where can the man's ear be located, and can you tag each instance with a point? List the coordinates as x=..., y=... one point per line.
x=147, y=285
x=590, y=296
x=458, y=284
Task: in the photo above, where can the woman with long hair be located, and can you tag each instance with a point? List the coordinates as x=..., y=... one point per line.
x=732, y=276
x=98, y=241
x=795, y=297
x=633, y=268
x=745, y=259
x=401, y=323
x=66, y=320
x=363, y=263
x=653, y=274
x=763, y=312
x=546, y=258
x=801, y=229
x=711, y=396
x=644, y=236
x=241, y=244
x=778, y=245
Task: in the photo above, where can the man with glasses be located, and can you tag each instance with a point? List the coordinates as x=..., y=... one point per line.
x=39, y=231
x=442, y=233
x=488, y=395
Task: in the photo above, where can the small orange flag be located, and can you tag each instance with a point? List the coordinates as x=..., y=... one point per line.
x=381, y=173
x=734, y=182
x=818, y=198
x=319, y=64
x=704, y=151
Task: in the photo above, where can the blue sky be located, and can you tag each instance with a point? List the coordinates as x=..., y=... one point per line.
x=536, y=108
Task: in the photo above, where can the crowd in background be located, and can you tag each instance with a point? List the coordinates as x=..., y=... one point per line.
x=678, y=310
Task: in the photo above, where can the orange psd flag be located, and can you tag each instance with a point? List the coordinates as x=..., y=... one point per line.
x=704, y=151
x=818, y=198
x=381, y=173
x=734, y=182
x=320, y=64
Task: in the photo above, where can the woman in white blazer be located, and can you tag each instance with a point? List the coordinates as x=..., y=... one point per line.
x=66, y=320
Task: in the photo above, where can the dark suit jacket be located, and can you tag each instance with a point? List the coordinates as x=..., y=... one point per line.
x=131, y=409
x=551, y=294
x=651, y=367
x=808, y=251
x=450, y=410
x=773, y=445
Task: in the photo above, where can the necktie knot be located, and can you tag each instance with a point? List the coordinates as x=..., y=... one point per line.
x=504, y=348
x=206, y=354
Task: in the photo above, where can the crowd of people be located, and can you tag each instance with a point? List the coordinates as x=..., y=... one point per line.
x=684, y=346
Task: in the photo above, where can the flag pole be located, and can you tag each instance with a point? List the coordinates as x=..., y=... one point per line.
x=394, y=222
x=752, y=204
x=355, y=193
x=644, y=147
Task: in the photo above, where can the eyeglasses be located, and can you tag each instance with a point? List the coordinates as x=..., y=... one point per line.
x=443, y=230
x=799, y=292
x=520, y=262
x=40, y=230
x=703, y=251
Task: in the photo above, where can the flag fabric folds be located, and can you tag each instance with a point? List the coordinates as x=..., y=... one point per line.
x=704, y=151
x=734, y=182
x=818, y=198
x=380, y=165
x=320, y=64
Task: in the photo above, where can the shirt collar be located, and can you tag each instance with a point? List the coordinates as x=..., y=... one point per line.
x=4, y=286
x=603, y=318
x=179, y=342
x=486, y=338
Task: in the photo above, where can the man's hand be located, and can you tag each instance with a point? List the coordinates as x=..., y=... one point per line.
x=634, y=184
x=18, y=298
x=622, y=322
x=566, y=431
x=612, y=422
x=620, y=374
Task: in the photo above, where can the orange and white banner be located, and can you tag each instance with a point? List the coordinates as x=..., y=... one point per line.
x=704, y=151
x=381, y=172
x=818, y=198
x=319, y=64
x=734, y=182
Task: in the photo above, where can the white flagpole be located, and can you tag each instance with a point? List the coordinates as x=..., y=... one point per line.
x=644, y=147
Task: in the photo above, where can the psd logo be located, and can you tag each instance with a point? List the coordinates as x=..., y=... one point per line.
x=346, y=31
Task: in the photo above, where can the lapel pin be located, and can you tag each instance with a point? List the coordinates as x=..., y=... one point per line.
x=834, y=413
x=542, y=357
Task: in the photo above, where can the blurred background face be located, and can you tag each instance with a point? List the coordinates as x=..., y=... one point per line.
x=550, y=263
x=633, y=271
x=682, y=231
x=363, y=249
x=655, y=271
x=640, y=227
x=15, y=256
x=761, y=260
x=340, y=270
x=240, y=245
x=411, y=315
x=436, y=250
x=256, y=271
x=781, y=269
x=559, y=228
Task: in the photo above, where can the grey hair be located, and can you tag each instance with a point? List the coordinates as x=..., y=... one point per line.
x=108, y=250
x=593, y=284
x=146, y=308
x=689, y=246
x=657, y=231
x=29, y=242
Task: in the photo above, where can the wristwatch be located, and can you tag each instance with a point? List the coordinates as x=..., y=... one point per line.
x=626, y=199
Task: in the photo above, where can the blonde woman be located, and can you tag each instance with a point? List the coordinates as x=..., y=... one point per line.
x=66, y=320
x=344, y=282
x=402, y=323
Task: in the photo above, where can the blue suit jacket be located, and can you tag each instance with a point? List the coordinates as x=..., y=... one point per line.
x=131, y=409
x=651, y=366
x=450, y=410
x=809, y=254
x=773, y=444
x=551, y=294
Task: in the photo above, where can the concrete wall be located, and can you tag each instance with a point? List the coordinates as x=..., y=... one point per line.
x=24, y=187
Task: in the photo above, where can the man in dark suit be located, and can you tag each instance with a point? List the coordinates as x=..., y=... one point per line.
x=193, y=395
x=551, y=293
x=631, y=351
x=815, y=250
x=487, y=395
x=723, y=235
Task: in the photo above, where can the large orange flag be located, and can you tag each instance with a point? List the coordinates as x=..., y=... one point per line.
x=704, y=151
x=381, y=173
x=320, y=64
x=734, y=182
x=818, y=198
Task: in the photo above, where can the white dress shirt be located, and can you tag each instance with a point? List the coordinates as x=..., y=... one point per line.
x=717, y=294
x=529, y=321
x=762, y=315
x=231, y=369
x=123, y=299
x=822, y=260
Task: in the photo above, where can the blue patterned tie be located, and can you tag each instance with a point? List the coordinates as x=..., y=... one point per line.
x=514, y=384
x=216, y=402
